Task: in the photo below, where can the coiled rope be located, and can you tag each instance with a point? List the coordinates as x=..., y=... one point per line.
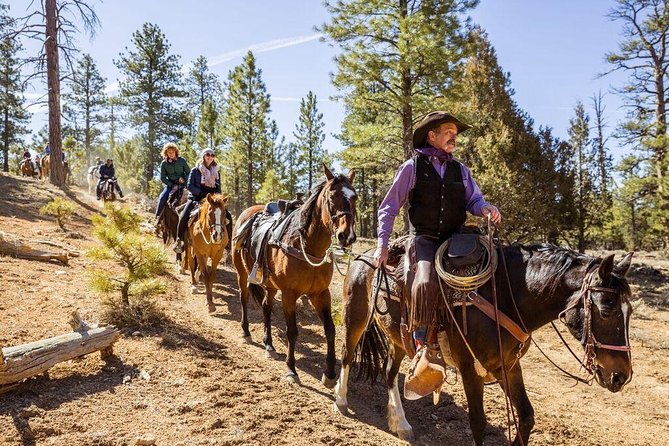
x=467, y=283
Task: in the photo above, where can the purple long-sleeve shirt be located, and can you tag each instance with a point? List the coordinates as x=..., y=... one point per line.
x=404, y=181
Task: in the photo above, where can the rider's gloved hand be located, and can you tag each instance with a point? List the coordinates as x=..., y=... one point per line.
x=380, y=256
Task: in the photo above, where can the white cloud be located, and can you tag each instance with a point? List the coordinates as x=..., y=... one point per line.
x=262, y=47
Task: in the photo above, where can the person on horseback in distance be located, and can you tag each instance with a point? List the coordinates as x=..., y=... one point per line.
x=438, y=191
x=173, y=172
x=204, y=179
x=106, y=172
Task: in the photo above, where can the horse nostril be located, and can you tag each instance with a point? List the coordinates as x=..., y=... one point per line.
x=352, y=239
x=341, y=237
x=618, y=379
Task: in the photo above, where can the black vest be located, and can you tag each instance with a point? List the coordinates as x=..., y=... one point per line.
x=437, y=206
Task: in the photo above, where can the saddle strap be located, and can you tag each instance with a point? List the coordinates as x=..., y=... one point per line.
x=295, y=252
x=504, y=320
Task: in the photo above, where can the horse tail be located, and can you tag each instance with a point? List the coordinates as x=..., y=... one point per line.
x=371, y=354
x=257, y=292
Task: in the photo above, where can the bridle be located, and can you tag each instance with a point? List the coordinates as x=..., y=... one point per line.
x=588, y=340
x=212, y=226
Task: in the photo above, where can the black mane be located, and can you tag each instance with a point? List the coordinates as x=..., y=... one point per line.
x=547, y=264
x=307, y=209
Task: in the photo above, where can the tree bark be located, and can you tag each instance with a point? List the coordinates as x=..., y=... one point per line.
x=56, y=168
x=26, y=360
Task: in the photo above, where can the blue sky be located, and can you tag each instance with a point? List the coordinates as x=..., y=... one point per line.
x=552, y=50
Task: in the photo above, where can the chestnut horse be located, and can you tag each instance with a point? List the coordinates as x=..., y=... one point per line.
x=44, y=171
x=299, y=266
x=206, y=239
x=28, y=169
x=590, y=295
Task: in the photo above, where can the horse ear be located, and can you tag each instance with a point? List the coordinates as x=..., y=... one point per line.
x=209, y=200
x=606, y=267
x=623, y=266
x=225, y=199
x=328, y=173
x=351, y=175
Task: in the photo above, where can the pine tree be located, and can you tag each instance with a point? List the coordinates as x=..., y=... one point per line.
x=84, y=104
x=202, y=85
x=209, y=129
x=504, y=154
x=642, y=54
x=584, y=162
x=113, y=116
x=151, y=91
x=396, y=57
x=309, y=136
x=247, y=125
x=13, y=117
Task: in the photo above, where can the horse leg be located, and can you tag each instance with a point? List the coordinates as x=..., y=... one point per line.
x=267, y=305
x=242, y=282
x=397, y=420
x=522, y=404
x=322, y=303
x=289, y=301
x=211, y=277
x=355, y=321
x=473, y=385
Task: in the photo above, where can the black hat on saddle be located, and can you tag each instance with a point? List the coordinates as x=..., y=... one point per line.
x=431, y=121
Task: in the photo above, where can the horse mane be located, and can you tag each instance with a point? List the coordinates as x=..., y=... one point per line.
x=553, y=262
x=309, y=206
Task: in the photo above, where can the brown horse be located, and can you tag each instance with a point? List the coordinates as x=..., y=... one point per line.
x=299, y=266
x=27, y=168
x=169, y=218
x=207, y=238
x=44, y=171
x=590, y=295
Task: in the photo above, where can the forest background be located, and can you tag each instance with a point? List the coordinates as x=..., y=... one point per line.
x=393, y=62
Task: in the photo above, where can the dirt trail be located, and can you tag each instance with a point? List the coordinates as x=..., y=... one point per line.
x=193, y=381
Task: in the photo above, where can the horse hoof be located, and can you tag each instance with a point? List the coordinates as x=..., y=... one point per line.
x=271, y=354
x=292, y=378
x=246, y=339
x=329, y=382
x=340, y=409
x=406, y=435
x=211, y=308
x=193, y=288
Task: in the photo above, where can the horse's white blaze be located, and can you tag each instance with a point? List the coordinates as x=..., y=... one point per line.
x=217, y=219
x=348, y=192
x=397, y=421
x=342, y=388
x=626, y=309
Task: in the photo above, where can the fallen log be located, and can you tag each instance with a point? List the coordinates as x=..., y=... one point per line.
x=11, y=245
x=23, y=361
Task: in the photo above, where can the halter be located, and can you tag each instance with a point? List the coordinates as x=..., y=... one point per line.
x=333, y=217
x=214, y=225
x=588, y=340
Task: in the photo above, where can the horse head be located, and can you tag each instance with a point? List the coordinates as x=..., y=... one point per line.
x=213, y=215
x=599, y=317
x=339, y=198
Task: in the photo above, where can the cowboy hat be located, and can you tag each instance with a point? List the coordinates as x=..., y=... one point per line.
x=430, y=122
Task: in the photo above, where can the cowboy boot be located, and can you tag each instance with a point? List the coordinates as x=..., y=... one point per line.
x=426, y=374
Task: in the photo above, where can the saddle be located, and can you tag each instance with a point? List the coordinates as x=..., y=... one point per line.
x=264, y=228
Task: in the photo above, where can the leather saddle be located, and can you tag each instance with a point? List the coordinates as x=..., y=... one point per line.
x=261, y=230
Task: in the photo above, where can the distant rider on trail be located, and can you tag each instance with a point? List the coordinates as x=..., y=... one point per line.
x=107, y=172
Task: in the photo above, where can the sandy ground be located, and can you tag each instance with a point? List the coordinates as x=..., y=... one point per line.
x=192, y=381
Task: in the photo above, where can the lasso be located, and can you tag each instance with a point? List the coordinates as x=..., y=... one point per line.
x=467, y=283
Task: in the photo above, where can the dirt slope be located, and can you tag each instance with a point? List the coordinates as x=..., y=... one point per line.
x=192, y=382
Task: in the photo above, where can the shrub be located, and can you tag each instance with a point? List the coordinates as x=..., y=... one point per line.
x=128, y=293
x=60, y=208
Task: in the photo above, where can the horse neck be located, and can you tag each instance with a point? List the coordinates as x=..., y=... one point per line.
x=318, y=237
x=204, y=219
x=539, y=309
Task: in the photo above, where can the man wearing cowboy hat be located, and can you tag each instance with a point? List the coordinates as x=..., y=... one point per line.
x=438, y=191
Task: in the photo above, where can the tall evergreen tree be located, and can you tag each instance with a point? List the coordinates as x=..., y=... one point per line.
x=643, y=55
x=396, y=57
x=151, y=91
x=584, y=164
x=309, y=137
x=54, y=23
x=113, y=118
x=506, y=157
x=247, y=130
x=209, y=129
x=85, y=103
x=202, y=84
x=13, y=117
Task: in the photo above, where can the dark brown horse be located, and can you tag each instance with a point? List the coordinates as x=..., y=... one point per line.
x=328, y=214
x=546, y=281
x=169, y=218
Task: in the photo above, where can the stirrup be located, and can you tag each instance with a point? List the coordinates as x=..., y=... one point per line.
x=255, y=277
x=179, y=246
